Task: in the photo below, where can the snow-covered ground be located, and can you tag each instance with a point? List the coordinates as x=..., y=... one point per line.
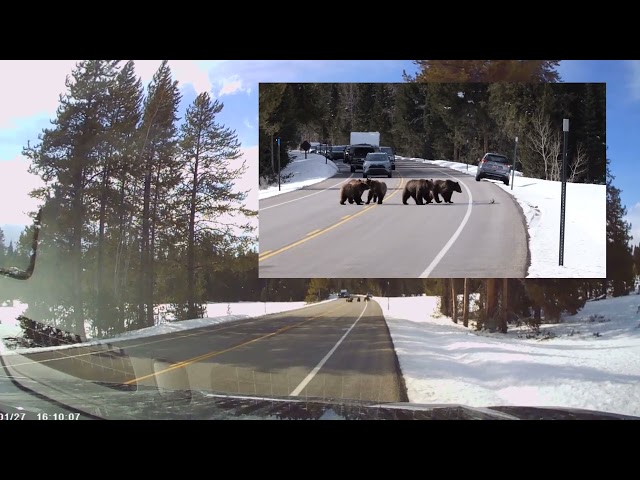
x=304, y=172
x=585, y=232
x=216, y=313
x=590, y=360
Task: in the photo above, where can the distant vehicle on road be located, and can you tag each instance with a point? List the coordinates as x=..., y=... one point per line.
x=495, y=166
x=377, y=163
x=336, y=152
x=392, y=155
x=343, y=293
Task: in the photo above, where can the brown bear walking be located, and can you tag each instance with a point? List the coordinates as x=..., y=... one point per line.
x=353, y=191
x=377, y=191
x=446, y=189
x=419, y=190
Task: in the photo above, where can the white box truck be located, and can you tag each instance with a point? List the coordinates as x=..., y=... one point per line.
x=370, y=138
x=361, y=144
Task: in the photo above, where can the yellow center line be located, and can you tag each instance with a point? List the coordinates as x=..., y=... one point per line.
x=199, y=358
x=109, y=347
x=317, y=233
x=264, y=253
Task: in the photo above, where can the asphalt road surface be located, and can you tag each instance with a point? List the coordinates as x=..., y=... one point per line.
x=307, y=233
x=333, y=350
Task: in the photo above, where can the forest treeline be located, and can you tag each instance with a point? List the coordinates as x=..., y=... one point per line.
x=447, y=121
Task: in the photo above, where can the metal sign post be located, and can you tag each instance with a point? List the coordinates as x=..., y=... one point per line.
x=388, y=304
x=563, y=195
x=278, y=140
x=513, y=168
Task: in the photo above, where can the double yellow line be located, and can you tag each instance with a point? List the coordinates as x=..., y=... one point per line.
x=316, y=233
x=206, y=356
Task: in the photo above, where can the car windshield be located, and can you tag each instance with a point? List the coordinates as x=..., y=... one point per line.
x=362, y=151
x=166, y=254
x=497, y=159
x=386, y=150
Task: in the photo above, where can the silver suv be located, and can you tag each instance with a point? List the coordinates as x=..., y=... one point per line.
x=495, y=166
x=377, y=163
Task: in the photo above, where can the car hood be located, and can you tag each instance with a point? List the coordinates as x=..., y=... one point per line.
x=95, y=401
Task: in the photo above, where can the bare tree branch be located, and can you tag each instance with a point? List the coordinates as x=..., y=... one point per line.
x=545, y=143
x=580, y=164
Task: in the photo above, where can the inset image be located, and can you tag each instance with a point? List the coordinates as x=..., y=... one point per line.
x=428, y=180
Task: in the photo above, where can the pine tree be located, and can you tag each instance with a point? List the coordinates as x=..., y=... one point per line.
x=619, y=251
x=593, y=115
x=318, y=289
x=209, y=151
x=636, y=259
x=441, y=71
x=66, y=160
x=159, y=146
x=3, y=249
x=118, y=148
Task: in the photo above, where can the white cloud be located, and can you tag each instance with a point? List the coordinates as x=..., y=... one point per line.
x=247, y=123
x=231, y=86
x=192, y=72
x=634, y=84
x=29, y=88
x=32, y=87
x=252, y=72
x=15, y=184
x=633, y=217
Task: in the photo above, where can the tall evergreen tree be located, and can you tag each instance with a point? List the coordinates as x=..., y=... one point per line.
x=209, y=151
x=66, y=159
x=159, y=146
x=459, y=71
x=619, y=250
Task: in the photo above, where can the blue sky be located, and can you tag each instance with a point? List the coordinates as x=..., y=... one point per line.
x=30, y=91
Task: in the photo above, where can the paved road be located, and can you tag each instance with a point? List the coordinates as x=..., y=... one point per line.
x=334, y=350
x=307, y=233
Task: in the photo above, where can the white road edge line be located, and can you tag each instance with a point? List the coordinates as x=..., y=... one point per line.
x=455, y=236
x=315, y=371
x=306, y=196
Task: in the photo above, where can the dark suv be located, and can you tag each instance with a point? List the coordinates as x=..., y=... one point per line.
x=495, y=166
x=355, y=154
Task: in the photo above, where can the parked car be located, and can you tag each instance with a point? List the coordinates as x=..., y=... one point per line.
x=392, y=156
x=494, y=166
x=376, y=164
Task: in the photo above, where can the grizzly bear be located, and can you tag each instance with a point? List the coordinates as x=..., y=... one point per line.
x=419, y=190
x=353, y=191
x=377, y=191
x=446, y=189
